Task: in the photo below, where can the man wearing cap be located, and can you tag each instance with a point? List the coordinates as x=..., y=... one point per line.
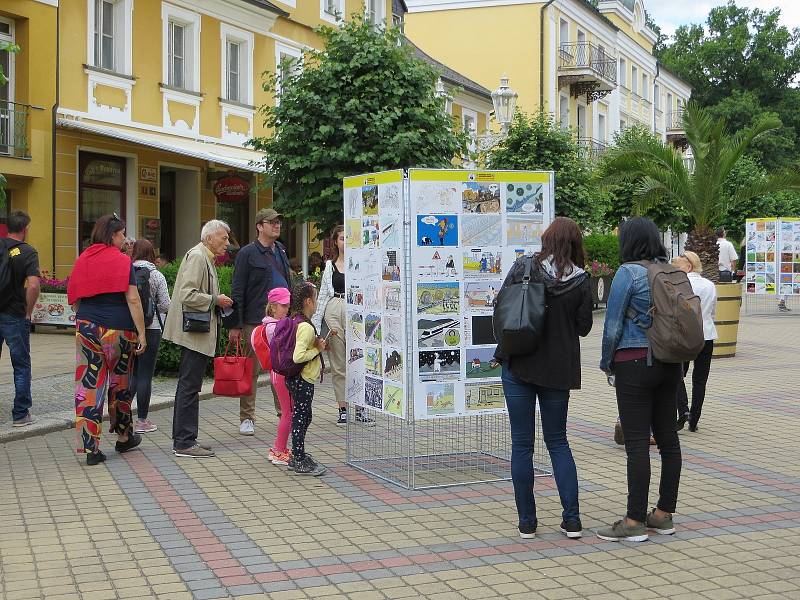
x=260, y=266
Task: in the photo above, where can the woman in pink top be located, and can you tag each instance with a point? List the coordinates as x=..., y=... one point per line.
x=277, y=308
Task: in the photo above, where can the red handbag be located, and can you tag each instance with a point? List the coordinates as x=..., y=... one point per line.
x=233, y=373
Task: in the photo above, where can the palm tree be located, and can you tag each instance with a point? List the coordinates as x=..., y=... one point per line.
x=660, y=174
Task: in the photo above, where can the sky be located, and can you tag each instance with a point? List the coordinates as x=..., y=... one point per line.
x=674, y=13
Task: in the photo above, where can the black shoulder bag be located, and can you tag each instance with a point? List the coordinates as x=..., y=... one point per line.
x=197, y=321
x=518, y=318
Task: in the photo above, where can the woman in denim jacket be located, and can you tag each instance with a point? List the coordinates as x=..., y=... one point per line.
x=645, y=387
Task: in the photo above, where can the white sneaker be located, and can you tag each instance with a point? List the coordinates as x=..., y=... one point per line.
x=247, y=427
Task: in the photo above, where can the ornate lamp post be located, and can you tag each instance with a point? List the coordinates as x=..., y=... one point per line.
x=504, y=100
x=442, y=93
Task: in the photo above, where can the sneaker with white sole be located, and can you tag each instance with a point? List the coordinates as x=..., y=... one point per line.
x=527, y=532
x=342, y=417
x=622, y=532
x=24, y=421
x=247, y=427
x=308, y=466
x=144, y=426
x=279, y=458
x=194, y=452
x=572, y=529
x=662, y=525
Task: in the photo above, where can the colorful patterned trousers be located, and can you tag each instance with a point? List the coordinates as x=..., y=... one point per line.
x=103, y=366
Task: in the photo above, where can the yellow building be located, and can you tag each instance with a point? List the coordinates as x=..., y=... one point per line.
x=27, y=102
x=592, y=67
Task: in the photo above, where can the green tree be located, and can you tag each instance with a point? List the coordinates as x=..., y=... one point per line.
x=539, y=143
x=621, y=194
x=742, y=66
x=364, y=103
x=661, y=174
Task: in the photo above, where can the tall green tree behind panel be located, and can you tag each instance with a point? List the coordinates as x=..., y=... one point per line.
x=364, y=103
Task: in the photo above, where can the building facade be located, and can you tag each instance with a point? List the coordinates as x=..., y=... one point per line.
x=591, y=67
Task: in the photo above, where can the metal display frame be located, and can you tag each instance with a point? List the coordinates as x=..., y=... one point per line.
x=418, y=454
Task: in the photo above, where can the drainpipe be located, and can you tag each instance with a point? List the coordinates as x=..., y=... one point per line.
x=655, y=82
x=54, y=116
x=541, y=54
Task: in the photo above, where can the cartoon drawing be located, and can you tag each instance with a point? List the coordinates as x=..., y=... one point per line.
x=372, y=328
x=484, y=396
x=481, y=294
x=439, y=363
x=440, y=230
x=436, y=333
x=393, y=365
x=481, y=230
x=482, y=363
x=523, y=232
x=440, y=399
x=481, y=261
x=438, y=298
x=353, y=197
x=373, y=393
x=480, y=197
x=525, y=199
x=369, y=195
x=393, y=399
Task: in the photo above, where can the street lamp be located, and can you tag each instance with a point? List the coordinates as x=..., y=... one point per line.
x=441, y=92
x=504, y=100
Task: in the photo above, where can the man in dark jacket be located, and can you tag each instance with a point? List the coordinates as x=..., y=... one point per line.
x=260, y=267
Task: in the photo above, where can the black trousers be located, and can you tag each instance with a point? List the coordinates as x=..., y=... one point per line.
x=186, y=414
x=646, y=402
x=702, y=366
x=143, y=370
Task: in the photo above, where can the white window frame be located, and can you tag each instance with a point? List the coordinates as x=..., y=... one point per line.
x=245, y=39
x=285, y=50
x=562, y=25
x=587, y=128
x=563, y=110
x=646, y=86
x=380, y=11
x=338, y=14
x=123, y=36
x=472, y=132
x=635, y=80
x=657, y=96
x=623, y=72
x=191, y=23
x=602, y=127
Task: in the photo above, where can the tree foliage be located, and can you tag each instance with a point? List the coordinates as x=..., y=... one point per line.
x=539, y=143
x=661, y=175
x=364, y=103
x=742, y=66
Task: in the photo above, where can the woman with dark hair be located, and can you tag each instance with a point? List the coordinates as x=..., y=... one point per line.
x=549, y=372
x=646, y=387
x=144, y=257
x=332, y=310
x=109, y=330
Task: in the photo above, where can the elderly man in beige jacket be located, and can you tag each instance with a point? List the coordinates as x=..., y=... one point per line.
x=196, y=290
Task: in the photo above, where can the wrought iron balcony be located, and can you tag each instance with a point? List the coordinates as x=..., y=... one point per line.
x=586, y=69
x=14, y=119
x=676, y=133
x=591, y=149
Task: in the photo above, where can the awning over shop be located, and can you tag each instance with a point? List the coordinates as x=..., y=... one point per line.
x=229, y=156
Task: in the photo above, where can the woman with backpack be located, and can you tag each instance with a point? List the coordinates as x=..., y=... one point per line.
x=144, y=257
x=548, y=372
x=645, y=386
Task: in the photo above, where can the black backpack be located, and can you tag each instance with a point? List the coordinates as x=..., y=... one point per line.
x=142, y=276
x=5, y=268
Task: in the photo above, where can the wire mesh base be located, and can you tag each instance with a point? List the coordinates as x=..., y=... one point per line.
x=423, y=454
x=763, y=304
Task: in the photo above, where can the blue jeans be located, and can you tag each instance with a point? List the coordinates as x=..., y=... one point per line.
x=553, y=404
x=16, y=333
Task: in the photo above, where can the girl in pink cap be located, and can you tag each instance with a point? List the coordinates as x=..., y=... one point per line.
x=277, y=308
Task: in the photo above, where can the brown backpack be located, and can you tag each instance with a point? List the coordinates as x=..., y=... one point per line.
x=676, y=334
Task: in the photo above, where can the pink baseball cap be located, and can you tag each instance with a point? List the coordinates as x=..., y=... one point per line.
x=279, y=296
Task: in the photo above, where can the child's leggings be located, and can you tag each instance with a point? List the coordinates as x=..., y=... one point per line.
x=285, y=422
x=302, y=394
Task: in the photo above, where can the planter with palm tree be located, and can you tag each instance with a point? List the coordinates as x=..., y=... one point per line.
x=661, y=174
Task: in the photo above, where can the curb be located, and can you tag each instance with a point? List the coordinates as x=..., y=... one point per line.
x=66, y=419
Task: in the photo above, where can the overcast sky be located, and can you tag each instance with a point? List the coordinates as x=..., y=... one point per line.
x=670, y=15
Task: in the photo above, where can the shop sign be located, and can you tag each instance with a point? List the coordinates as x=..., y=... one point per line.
x=151, y=230
x=52, y=309
x=232, y=189
x=148, y=174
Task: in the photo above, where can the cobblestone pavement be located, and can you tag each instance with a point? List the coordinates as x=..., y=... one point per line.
x=145, y=525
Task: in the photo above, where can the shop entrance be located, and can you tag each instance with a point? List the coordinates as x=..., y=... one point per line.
x=167, y=213
x=179, y=195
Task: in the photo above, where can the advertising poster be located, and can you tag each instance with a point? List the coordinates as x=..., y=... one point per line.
x=761, y=263
x=467, y=229
x=789, y=257
x=374, y=291
x=52, y=309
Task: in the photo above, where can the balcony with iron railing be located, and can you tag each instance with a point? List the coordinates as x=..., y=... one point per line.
x=591, y=148
x=14, y=121
x=586, y=69
x=676, y=133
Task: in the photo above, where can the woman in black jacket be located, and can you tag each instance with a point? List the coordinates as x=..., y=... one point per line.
x=549, y=372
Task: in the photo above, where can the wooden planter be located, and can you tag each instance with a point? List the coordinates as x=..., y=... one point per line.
x=599, y=286
x=729, y=302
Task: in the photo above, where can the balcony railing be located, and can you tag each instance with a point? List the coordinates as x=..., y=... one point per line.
x=14, y=129
x=675, y=120
x=591, y=148
x=585, y=55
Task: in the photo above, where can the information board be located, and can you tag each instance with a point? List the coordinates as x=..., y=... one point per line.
x=789, y=256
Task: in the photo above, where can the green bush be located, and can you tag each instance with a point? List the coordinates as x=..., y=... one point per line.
x=169, y=355
x=603, y=248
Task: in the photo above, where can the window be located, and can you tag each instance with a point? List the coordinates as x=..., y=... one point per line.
x=635, y=80
x=623, y=73
x=288, y=62
x=669, y=103
x=645, y=87
x=181, y=41
x=657, y=97
x=469, y=121
x=110, y=35
x=331, y=10
x=237, y=61
x=176, y=55
x=563, y=111
x=102, y=191
x=233, y=88
x=7, y=112
x=581, y=121
x=563, y=32
x=602, y=133
x=581, y=37
x=373, y=11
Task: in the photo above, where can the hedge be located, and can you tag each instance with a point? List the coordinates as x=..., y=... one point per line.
x=604, y=248
x=169, y=355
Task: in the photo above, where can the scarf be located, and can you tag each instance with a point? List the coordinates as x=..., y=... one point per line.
x=100, y=269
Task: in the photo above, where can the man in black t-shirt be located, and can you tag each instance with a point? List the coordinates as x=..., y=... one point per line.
x=16, y=306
